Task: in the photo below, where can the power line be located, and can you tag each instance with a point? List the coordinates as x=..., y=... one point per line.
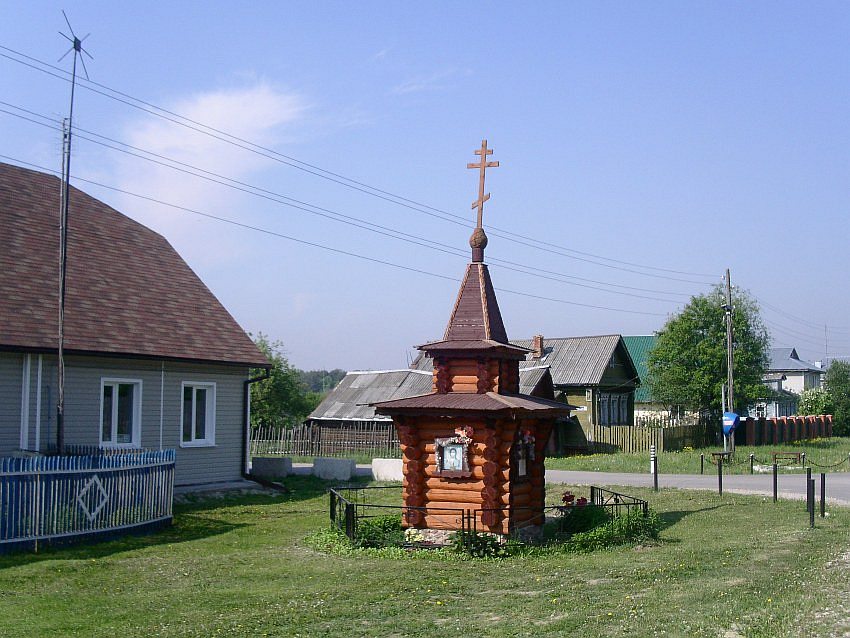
x=806, y=322
x=317, y=171
x=285, y=200
x=324, y=246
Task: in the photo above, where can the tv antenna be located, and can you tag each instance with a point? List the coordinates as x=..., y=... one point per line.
x=77, y=48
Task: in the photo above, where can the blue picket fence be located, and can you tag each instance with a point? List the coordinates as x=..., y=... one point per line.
x=53, y=499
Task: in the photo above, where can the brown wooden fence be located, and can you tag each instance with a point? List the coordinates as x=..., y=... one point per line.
x=378, y=439
x=637, y=438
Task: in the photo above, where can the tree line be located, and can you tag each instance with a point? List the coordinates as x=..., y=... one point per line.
x=289, y=395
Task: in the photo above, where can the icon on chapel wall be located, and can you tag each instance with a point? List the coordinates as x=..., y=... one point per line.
x=452, y=454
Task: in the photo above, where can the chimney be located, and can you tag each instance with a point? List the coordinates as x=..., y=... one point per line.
x=537, y=346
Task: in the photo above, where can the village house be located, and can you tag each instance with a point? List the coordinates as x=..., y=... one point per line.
x=152, y=359
x=799, y=375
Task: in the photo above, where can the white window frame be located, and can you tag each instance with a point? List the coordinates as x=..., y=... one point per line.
x=209, y=426
x=136, y=433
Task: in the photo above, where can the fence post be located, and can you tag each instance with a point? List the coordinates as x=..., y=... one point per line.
x=811, y=494
x=752, y=461
x=653, y=465
x=702, y=463
x=810, y=506
x=349, y=520
x=822, y=494
x=332, y=506
x=720, y=475
x=775, y=482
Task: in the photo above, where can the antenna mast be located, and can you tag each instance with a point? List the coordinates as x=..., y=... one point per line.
x=77, y=48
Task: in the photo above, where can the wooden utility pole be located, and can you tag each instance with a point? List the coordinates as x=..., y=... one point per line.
x=730, y=393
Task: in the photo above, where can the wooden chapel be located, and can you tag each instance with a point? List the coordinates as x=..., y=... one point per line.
x=474, y=443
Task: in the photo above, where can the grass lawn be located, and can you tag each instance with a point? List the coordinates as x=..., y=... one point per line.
x=241, y=567
x=820, y=452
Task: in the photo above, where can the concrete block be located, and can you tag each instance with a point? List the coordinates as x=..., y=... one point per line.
x=333, y=469
x=266, y=467
x=387, y=470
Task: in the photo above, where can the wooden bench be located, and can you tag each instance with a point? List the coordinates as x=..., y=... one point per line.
x=716, y=456
x=787, y=456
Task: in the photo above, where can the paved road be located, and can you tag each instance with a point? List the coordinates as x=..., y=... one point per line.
x=790, y=485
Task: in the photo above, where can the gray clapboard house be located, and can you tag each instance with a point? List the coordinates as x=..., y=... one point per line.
x=153, y=360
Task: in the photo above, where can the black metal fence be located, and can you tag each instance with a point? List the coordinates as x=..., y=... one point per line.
x=352, y=507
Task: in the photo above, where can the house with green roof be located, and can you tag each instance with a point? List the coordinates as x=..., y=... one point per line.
x=639, y=348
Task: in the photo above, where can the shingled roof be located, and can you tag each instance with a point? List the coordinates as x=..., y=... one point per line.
x=128, y=291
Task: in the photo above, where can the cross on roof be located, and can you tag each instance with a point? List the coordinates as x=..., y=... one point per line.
x=483, y=165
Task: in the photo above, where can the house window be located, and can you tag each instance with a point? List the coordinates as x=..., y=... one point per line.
x=198, y=414
x=120, y=412
x=624, y=409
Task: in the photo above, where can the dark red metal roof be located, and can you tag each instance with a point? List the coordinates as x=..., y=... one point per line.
x=128, y=291
x=476, y=313
x=460, y=346
x=490, y=402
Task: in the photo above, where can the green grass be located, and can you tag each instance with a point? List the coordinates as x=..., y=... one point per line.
x=241, y=567
x=820, y=452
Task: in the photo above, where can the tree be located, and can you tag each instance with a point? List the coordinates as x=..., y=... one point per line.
x=282, y=399
x=815, y=401
x=838, y=386
x=687, y=366
x=321, y=381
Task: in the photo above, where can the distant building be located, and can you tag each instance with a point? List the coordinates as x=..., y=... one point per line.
x=780, y=403
x=799, y=375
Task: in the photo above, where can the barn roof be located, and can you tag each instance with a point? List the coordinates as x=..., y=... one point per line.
x=128, y=291
x=572, y=361
x=351, y=399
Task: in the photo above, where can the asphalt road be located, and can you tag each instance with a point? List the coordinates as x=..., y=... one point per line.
x=791, y=486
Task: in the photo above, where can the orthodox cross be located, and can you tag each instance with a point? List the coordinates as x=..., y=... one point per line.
x=483, y=165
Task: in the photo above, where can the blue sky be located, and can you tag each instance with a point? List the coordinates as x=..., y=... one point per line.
x=644, y=148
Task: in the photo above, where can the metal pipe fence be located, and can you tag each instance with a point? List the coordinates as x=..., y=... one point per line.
x=351, y=506
x=59, y=499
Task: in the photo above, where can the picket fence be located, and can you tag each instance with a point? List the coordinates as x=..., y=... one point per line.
x=378, y=439
x=58, y=499
x=638, y=438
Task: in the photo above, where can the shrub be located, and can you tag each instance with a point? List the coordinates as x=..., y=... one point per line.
x=581, y=519
x=479, y=545
x=380, y=531
x=633, y=527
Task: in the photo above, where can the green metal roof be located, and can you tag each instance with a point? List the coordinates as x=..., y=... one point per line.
x=639, y=348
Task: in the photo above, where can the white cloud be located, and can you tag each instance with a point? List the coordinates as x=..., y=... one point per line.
x=433, y=82
x=258, y=113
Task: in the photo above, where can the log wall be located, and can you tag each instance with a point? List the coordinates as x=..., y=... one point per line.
x=505, y=500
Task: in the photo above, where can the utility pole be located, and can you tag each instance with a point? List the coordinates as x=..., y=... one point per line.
x=730, y=402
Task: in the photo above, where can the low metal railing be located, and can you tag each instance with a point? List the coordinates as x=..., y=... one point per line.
x=350, y=506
